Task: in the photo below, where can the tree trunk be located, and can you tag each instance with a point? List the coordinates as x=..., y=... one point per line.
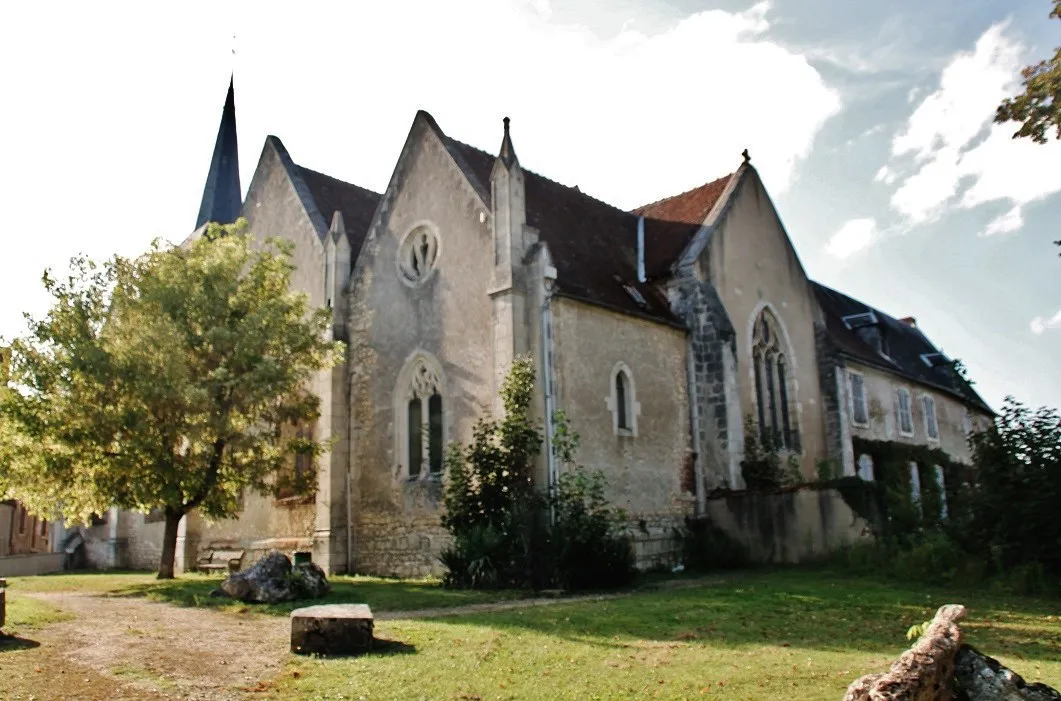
x=169, y=543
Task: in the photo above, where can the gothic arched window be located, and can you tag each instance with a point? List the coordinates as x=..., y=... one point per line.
x=773, y=388
x=622, y=401
x=420, y=438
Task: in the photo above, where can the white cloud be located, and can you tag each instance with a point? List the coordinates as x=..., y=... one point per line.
x=855, y=235
x=1005, y=223
x=950, y=153
x=1040, y=325
x=619, y=116
x=885, y=175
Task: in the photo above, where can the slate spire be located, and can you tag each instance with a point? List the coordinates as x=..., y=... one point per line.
x=508, y=151
x=221, y=196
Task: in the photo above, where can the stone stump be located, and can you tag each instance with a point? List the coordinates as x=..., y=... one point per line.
x=3, y=603
x=331, y=629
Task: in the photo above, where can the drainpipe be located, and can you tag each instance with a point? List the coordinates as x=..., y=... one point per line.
x=694, y=421
x=640, y=249
x=548, y=284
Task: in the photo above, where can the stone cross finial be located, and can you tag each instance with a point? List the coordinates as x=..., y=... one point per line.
x=747, y=156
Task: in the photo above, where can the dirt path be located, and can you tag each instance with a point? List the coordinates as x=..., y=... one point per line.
x=154, y=650
x=128, y=648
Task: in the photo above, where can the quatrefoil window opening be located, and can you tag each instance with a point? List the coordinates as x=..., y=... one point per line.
x=418, y=255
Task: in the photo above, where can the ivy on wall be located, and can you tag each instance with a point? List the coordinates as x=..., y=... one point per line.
x=888, y=502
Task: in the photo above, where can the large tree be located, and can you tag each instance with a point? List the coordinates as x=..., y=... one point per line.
x=171, y=381
x=1038, y=108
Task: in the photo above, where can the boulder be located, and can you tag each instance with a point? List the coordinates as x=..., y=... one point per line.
x=332, y=629
x=922, y=673
x=983, y=678
x=272, y=580
x=940, y=668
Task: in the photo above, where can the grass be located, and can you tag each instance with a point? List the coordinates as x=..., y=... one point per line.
x=798, y=635
x=26, y=615
x=382, y=594
x=795, y=634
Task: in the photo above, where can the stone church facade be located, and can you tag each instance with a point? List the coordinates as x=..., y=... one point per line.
x=664, y=334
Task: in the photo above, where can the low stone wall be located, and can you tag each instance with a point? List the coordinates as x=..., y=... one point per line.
x=396, y=546
x=788, y=526
x=31, y=565
x=655, y=541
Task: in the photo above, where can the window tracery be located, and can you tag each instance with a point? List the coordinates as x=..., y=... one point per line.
x=773, y=389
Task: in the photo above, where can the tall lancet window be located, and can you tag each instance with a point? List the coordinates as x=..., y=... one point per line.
x=774, y=392
x=420, y=438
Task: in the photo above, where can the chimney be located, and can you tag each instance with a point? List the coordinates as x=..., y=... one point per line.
x=640, y=249
x=909, y=321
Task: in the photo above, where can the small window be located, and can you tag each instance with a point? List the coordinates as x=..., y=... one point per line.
x=906, y=420
x=859, y=411
x=620, y=400
x=931, y=427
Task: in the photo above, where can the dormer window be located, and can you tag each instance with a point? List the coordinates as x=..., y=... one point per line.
x=934, y=360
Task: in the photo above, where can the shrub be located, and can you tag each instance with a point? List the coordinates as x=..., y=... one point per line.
x=503, y=535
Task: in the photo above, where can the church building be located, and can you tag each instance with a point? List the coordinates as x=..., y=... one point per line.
x=668, y=335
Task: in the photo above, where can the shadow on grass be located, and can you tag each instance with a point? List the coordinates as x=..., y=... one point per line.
x=10, y=643
x=381, y=647
x=380, y=594
x=790, y=609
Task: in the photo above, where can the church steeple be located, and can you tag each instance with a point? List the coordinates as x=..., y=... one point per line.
x=222, y=197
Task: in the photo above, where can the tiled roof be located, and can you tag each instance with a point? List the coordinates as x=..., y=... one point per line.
x=357, y=204
x=672, y=222
x=905, y=345
x=593, y=244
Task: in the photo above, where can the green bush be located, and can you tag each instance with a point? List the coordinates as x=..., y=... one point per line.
x=508, y=534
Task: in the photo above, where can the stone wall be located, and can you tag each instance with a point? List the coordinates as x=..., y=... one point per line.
x=446, y=320
x=789, y=526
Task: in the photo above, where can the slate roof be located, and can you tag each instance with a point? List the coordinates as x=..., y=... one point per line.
x=357, y=204
x=905, y=345
x=593, y=244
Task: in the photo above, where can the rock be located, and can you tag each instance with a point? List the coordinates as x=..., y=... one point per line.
x=331, y=629
x=310, y=581
x=983, y=678
x=272, y=580
x=925, y=672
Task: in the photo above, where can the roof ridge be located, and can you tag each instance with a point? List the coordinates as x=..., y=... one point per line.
x=682, y=194
x=572, y=188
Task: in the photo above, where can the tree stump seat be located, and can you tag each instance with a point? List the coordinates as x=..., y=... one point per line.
x=332, y=629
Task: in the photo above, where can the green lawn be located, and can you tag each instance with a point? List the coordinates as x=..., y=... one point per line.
x=194, y=590
x=791, y=634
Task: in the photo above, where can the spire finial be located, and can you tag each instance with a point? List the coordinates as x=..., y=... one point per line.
x=222, y=198
x=508, y=152
x=747, y=156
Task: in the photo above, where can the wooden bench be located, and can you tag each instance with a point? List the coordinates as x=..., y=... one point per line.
x=229, y=560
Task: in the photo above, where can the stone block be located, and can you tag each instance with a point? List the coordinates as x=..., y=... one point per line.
x=3, y=602
x=332, y=629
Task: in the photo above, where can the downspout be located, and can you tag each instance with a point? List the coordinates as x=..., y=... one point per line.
x=548, y=282
x=694, y=421
x=640, y=249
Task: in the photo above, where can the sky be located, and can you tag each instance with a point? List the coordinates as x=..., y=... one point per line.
x=870, y=124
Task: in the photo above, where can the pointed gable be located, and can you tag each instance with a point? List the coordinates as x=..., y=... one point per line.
x=222, y=196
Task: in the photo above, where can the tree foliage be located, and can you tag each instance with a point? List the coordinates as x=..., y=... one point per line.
x=1011, y=510
x=168, y=381
x=1038, y=108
